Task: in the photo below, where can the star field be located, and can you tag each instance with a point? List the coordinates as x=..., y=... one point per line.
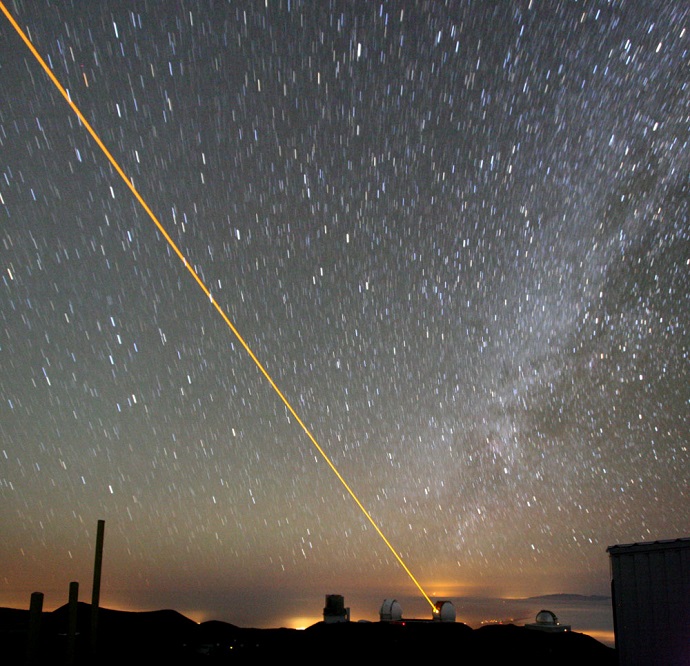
x=454, y=233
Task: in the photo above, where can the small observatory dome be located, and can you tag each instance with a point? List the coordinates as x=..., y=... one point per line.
x=546, y=620
x=445, y=611
x=391, y=611
x=546, y=617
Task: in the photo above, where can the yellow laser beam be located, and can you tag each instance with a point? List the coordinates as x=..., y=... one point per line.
x=206, y=291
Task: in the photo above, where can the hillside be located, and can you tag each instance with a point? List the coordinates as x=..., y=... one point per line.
x=169, y=638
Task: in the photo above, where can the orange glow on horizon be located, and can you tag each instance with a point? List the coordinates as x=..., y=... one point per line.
x=302, y=622
x=601, y=635
x=455, y=589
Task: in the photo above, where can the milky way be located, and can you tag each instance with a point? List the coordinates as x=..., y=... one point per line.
x=454, y=233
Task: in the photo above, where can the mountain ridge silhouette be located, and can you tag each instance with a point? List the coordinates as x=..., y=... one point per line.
x=169, y=638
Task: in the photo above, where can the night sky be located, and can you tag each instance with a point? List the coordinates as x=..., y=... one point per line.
x=456, y=236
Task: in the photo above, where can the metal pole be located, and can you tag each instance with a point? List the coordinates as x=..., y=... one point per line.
x=96, y=590
x=72, y=623
x=33, y=647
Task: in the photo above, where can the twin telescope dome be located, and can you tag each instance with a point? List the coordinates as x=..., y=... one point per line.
x=391, y=611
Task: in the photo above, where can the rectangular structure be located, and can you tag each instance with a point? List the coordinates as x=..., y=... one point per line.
x=335, y=610
x=650, y=588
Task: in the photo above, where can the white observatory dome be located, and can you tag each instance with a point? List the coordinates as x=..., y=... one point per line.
x=547, y=621
x=391, y=611
x=546, y=617
x=446, y=611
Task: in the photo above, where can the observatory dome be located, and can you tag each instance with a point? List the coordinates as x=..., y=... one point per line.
x=547, y=621
x=391, y=611
x=446, y=611
x=546, y=617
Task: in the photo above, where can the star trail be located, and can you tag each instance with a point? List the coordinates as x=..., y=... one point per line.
x=454, y=233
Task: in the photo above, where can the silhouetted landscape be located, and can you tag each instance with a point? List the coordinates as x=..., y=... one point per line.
x=571, y=597
x=168, y=637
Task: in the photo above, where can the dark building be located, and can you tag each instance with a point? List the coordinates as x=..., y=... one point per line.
x=650, y=589
x=335, y=610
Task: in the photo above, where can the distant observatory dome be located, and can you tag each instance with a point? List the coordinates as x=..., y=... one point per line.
x=445, y=611
x=546, y=617
x=547, y=621
x=391, y=611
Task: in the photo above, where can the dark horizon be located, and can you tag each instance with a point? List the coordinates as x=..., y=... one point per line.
x=166, y=634
x=588, y=614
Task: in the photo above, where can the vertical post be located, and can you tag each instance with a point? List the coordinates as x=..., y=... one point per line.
x=33, y=646
x=72, y=623
x=96, y=590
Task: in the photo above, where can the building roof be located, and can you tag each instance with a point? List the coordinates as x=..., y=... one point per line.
x=642, y=546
